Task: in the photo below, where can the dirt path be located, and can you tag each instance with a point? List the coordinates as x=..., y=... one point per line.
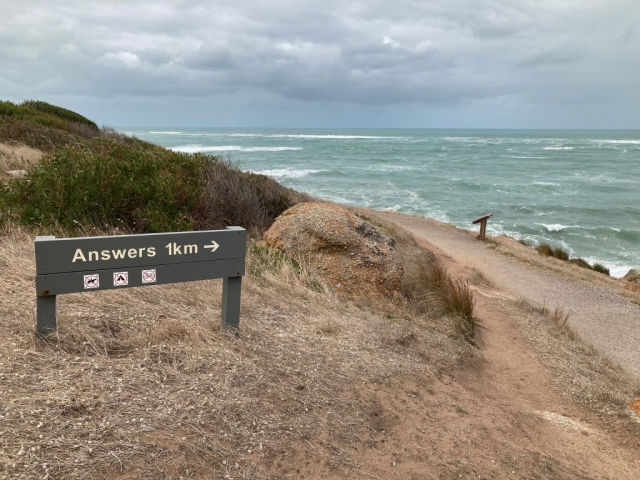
x=602, y=317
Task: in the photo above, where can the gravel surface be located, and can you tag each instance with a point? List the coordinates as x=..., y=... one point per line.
x=602, y=317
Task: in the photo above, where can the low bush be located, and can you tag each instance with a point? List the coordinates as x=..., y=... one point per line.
x=545, y=249
x=44, y=126
x=234, y=197
x=59, y=112
x=598, y=267
x=113, y=185
x=580, y=262
x=561, y=254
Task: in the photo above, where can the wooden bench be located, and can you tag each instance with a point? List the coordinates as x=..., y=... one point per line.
x=483, y=225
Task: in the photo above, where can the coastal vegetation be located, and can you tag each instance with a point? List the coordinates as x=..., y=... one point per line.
x=561, y=254
x=92, y=178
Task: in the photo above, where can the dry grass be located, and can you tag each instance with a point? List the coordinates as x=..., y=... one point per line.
x=14, y=156
x=580, y=370
x=144, y=382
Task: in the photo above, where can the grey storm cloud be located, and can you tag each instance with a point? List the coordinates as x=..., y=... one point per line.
x=367, y=52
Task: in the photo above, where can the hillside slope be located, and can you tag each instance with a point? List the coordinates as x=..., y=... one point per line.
x=144, y=384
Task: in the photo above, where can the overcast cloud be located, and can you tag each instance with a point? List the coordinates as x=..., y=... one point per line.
x=458, y=63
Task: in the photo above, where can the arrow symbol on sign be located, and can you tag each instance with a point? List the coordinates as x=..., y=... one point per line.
x=214, y=246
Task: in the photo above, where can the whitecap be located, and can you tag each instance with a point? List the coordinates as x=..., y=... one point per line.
x=556, y=227
x=558, y=148
x=334, y=137
x=229, y=148
x=622, y=142
x=287, y=172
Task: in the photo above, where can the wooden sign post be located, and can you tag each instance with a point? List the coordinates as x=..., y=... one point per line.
x=72, y=265
x=483, y=225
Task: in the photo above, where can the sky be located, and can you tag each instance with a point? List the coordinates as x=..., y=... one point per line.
x=328, y=63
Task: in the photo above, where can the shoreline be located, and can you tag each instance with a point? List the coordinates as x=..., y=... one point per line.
x=515, y=271
x=616, y=272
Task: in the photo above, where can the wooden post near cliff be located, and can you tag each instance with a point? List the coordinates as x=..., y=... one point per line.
x=483, y=225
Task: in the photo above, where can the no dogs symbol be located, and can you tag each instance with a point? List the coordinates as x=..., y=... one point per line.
x=120, y=279
x=91, y=281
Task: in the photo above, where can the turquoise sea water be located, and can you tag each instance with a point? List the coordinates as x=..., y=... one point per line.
x=575, y=189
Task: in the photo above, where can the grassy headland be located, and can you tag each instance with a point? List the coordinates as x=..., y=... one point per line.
x=92, y=178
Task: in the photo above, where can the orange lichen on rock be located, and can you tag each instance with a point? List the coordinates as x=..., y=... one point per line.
x=343, y=249
x=635, y=406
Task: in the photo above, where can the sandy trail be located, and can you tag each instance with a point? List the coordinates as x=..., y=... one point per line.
x=602, y=317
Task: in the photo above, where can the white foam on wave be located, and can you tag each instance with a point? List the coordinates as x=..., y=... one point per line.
x=333, y=137
x=621, y=142
x=229, y=148
x=287, y=172
x=390, y=168
x=556, y=227
x=558, y=148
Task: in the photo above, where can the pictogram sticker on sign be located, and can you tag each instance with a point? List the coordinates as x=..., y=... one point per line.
x=91, y=281
x=149, y=276
x=120, y=279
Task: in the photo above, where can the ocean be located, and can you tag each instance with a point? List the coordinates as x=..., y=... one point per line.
x=576, y=189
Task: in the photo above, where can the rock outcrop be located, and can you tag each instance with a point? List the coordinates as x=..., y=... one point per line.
x=632, y=275
x=346, y=251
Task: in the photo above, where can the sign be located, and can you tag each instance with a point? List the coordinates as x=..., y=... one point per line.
x=91, y=281
x=120, y=279
x=149, y=276
x=70, y=265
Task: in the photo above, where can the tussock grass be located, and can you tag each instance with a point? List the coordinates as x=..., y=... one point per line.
x=561, y=254
x=430, y=289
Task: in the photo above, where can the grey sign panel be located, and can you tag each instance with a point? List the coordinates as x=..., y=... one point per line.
x=116, y=278
x=127, y=251
x=71, y=265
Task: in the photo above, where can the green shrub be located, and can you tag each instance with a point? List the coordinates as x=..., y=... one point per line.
x=580, y=262
x=561, y=254
x=58, y=112
x=44, y=126
x=545, y=249
x=102, y=178
x=598, y=267
x=115, y=185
